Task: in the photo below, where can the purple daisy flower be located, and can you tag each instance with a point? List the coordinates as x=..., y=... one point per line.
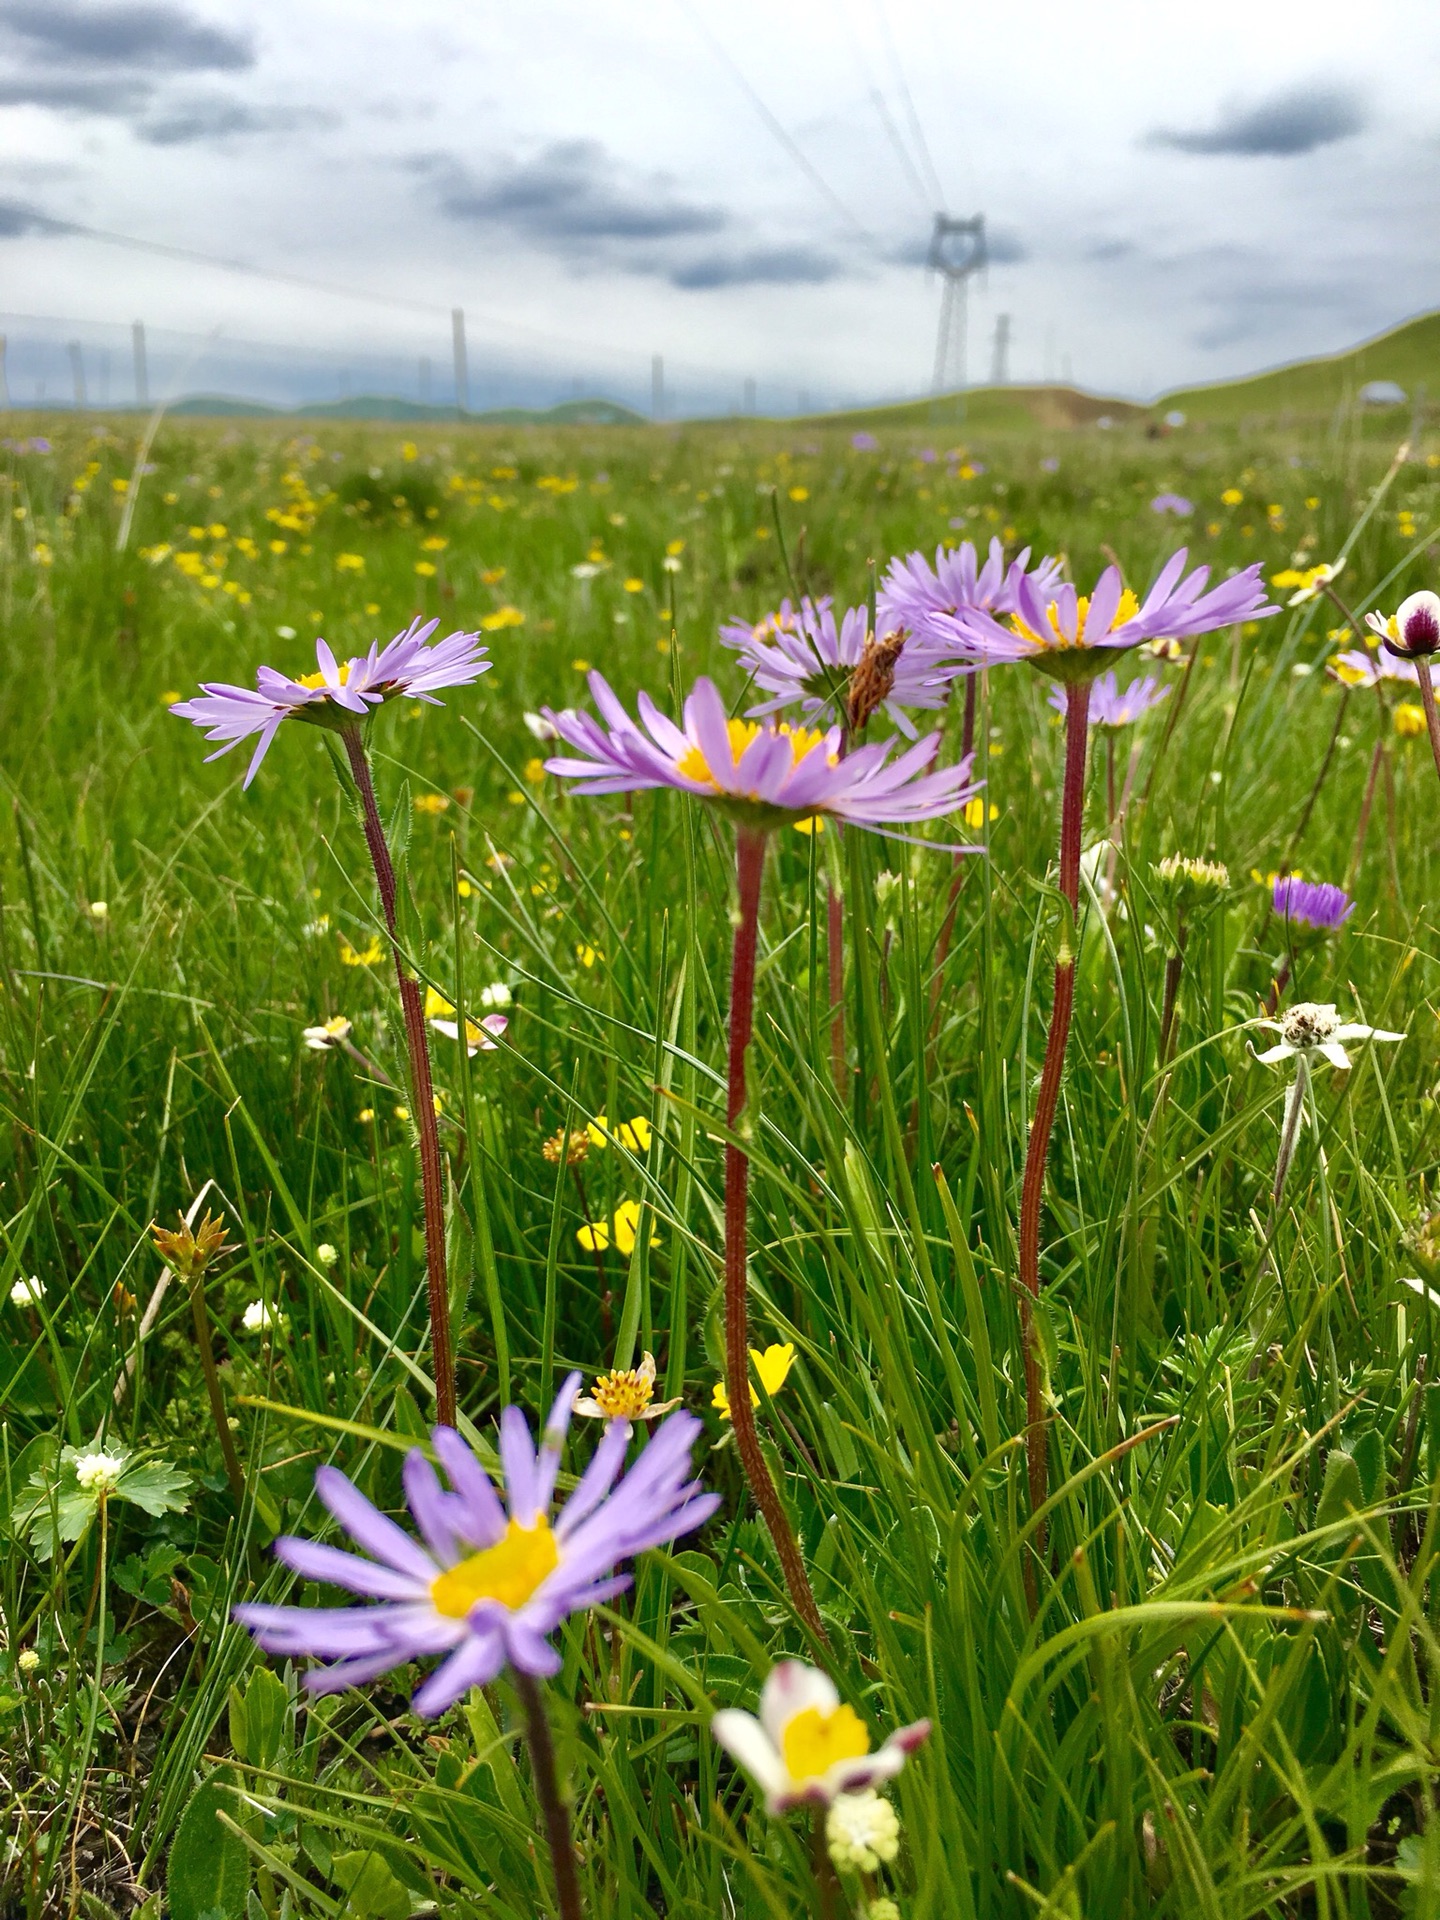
x=764, y=775
x=1311, y=904
x=492, y=1578
x=1175, y=503
x=864, y=442
x=339, y=693
x=913, y=592
x=1055, y=627
x=1356, y=669
x=1112, y=707
x=807, y=659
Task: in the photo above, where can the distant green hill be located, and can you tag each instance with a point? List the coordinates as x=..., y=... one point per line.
x=367, y=406
x=1408, y=354
x=982, y=408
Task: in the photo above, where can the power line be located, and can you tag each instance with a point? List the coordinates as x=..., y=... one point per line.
x=901, y=150
x=917, y=132
x=796, y=153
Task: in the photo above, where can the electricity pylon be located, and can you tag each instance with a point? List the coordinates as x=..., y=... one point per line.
x=957, y=251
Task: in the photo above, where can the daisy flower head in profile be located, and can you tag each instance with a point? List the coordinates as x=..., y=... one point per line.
x=1113, y=706
x=339, y=694
x=806, y=1746
x=763, y=775
x=1412, y=632
x=490, y=1578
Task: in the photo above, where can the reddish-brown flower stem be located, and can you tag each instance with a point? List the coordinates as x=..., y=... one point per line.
x=1427, y=700
x=422, y=1089
x=1072, y=815
x=750, y=866
x=546, y=1781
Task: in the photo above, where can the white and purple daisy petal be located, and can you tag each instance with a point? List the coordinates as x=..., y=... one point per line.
x=1413, y=630
x=1054, y=626
x=807, y=1747
x=338, y=692
x=805, y=659
x=766, y=773
x=1112, y=706
x=913, y=591
x=490, y=1579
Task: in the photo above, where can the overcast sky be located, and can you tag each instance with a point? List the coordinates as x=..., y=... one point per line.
x=1171, y=193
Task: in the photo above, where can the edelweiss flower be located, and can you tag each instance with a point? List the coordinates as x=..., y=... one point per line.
x=490, y=1580
x=339, y=693
x=624, y=1396
x=765, y=775
x=1312, y=1030
x=806, y=1747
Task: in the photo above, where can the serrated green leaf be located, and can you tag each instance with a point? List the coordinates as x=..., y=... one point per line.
x=156, y=1487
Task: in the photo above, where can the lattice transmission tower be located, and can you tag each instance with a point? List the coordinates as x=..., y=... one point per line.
x=957, y=253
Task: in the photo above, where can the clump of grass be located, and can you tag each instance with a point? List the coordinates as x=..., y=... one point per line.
x=1221, y=1701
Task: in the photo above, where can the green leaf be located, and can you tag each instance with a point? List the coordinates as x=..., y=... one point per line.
x=155, y=1487
x=209, y=1867
x=1342, y=1492
x=257, y=1718
x=371, y=1889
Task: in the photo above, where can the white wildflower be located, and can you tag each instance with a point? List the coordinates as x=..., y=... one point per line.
x=27, y=1293
x=322, y=1039
x=862, y=1831
x=99, y=1472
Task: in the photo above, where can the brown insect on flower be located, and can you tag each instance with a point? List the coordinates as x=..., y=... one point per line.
x=873, y=678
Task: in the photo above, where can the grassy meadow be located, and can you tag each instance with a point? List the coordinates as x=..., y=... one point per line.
x=1225, y=1699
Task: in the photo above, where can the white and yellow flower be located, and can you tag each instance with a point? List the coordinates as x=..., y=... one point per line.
x=807, y=1747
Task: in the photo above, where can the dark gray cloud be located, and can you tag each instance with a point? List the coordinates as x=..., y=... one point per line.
x=118, y=96
x=154, y=37
x=755, y=266
x=17, y=219
x=218, y=117
x=1296, y=121
x=570, y=194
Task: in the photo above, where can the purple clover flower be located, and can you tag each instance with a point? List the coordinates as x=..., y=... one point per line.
x=864, y=442
x=1055, y=627
x=489, y=1581
x=339, y=693
x=913, y=593
x=764, y=775
x=1111, y=706
x=806, y=659
x=1175, y=503
x=1311, y=903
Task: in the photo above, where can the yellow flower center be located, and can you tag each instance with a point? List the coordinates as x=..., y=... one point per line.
x=813, y=1741
x=509, y=1572
x=318, y=679
x=1127, y=609
x=623, y=1396
x=693, y=765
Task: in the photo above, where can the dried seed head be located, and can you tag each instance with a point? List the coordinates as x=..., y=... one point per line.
x=190, y=1253
x=872, y=679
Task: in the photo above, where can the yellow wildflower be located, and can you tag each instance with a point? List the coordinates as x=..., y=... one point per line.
x=773, y=1367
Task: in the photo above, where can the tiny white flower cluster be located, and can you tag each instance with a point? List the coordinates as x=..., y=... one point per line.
x=260, y=1318
x=99, y=1472
x=27, y=1293
x=862, y=1830
x=326, y=1254
x=27, y=1660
